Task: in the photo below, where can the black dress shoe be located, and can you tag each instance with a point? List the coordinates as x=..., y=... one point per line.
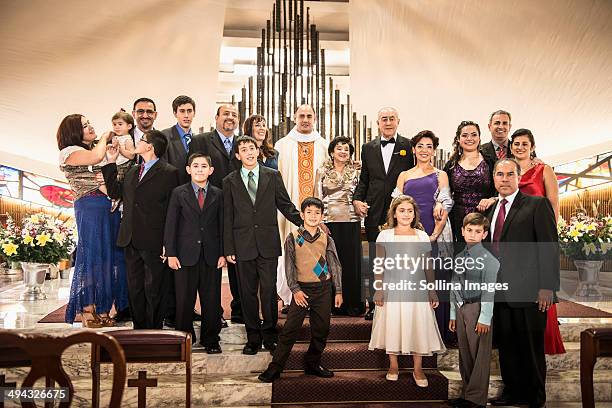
x=270, y=346
x=369, y=315
x=213, y=349
x=456, y=401
x=123, y=316
x=269, y=376
x=196, y=316
x=170, y=322
x=223, y=323
x=319, y=371
x=250, y=349
x=503, y=400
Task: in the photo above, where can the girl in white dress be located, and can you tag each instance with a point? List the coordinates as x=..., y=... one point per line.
x=404, y=321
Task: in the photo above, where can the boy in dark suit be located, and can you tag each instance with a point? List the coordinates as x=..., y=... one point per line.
x=219, y=146
x=252, y=196
x=312, y=267
x=145, y=191
x=192, y=238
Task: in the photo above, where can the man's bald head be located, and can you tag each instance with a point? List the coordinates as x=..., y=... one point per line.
x=304, y=118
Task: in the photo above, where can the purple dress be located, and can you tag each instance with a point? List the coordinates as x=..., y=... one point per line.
x=422, y=189
x=468, y=187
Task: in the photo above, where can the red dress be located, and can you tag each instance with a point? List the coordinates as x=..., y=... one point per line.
x=532, y=183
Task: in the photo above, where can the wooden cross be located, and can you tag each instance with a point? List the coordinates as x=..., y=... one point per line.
x=142, y=383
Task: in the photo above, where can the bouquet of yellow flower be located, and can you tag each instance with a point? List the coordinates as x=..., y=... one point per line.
x=585, y=237
x=41, y=239
x=10, y=241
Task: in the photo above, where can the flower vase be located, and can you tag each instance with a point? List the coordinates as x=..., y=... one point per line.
x=34, y=278
x=588, y=278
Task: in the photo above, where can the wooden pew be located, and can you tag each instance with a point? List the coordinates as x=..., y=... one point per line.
x=145, y=346
x=593, y=343
x=43, y=353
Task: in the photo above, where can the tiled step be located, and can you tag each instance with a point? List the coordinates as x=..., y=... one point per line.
x=570, y=360
x=222, y=391
x=357, y=386
x=561, y=385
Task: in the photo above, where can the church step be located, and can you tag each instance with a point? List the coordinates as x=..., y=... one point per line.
x=570, y=360
x=342, y=328
x=357, y=386
x=349, y=356
x=561, y=385
x=359, y=330
x=223, y=391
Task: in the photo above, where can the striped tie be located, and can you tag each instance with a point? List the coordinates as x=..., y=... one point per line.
x=251, y=187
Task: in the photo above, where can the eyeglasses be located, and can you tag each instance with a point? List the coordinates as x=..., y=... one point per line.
x=86, y=125
x=141, y=112
x=142, y=139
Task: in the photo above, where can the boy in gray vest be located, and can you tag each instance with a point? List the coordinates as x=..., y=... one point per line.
x=311, y=266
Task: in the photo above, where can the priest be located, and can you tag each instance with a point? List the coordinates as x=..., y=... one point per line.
x=300, y=153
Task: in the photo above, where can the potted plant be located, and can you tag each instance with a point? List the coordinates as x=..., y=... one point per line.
x=587, y=240
x=10, y=241
x=41, y=240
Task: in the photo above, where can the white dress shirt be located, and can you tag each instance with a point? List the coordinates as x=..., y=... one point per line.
x=510, y=200
x=387, y=152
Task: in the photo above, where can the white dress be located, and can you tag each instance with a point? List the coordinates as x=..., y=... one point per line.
x=406, y=327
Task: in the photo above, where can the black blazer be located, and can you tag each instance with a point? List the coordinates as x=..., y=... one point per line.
x=488, y=152
x=210, y=144
x=252, y=230
x=188, y=228
x=145, y=203
x=526, y=266
x=375, y=186
x=175, y=153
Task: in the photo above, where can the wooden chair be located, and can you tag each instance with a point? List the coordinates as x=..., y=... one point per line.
x=43, y=353
x=145, y=346
x=593, y=343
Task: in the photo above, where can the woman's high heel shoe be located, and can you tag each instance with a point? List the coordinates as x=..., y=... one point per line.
x=91, y=320
x=107, y=321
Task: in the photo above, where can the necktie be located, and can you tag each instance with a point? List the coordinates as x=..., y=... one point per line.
x=228, y=145
x=187, y=140
x=251, y=187
x=140, y=172
x=201, y=198
x=499, y=221
x=501, y=152
x=384, y=142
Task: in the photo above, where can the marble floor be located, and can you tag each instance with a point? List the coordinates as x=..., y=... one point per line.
x=236, y=374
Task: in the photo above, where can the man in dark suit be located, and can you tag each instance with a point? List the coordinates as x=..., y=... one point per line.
x=252, y=196
x=500, y=124
x=219, y=146
x=524, y=237
x=180, y=135
x=193, y=240
x=145, y=191
x=382, y=160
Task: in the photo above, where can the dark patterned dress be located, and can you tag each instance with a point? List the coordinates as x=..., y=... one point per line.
x=468, y=187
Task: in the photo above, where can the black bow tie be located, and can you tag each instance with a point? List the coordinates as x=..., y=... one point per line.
x=384, y=142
